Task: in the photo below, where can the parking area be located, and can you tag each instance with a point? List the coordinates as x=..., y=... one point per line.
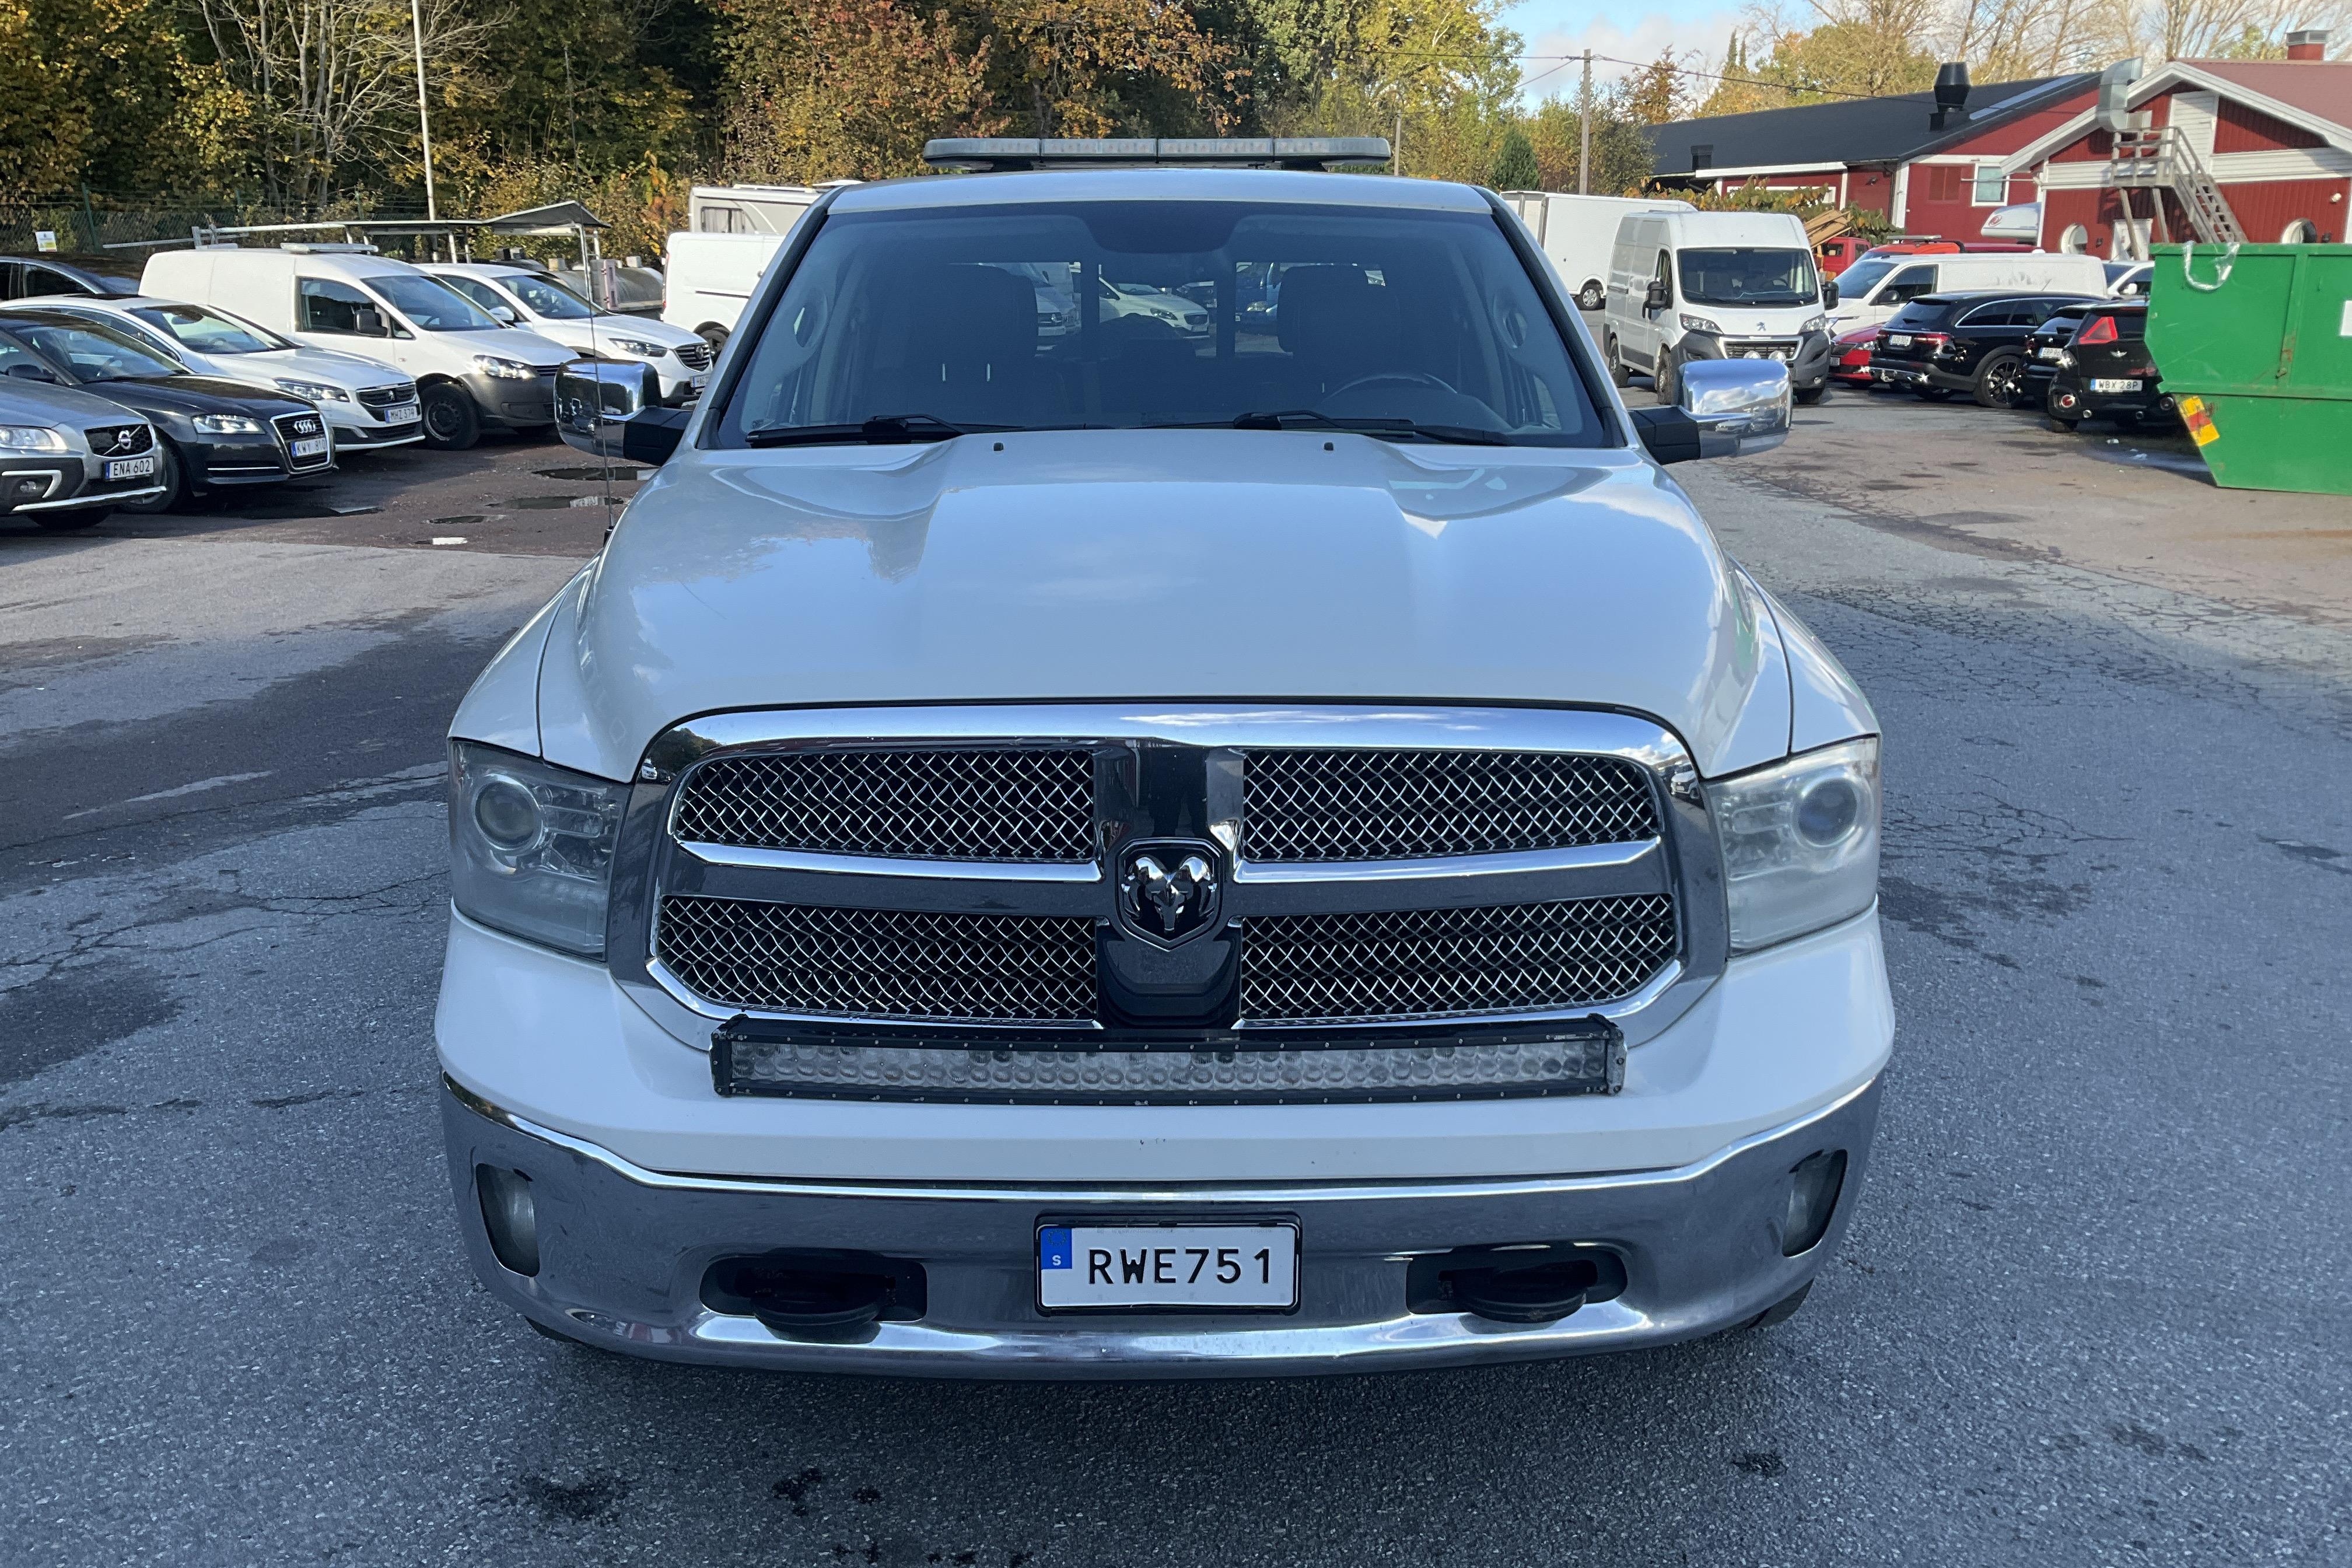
x=2090, y=1309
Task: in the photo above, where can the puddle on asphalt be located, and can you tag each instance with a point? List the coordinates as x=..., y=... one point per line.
x=2113, y=450
x=296, y=510
x=561, y=503
x=465, y=521
x=622, y=476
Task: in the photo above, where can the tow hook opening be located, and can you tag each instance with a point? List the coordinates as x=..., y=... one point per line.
x=1530, y=1282
x=830, y=1298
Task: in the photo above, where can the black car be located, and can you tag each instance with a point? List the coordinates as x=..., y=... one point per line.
x=2093, y=362
x=215, y=433
x=1940, y=344
x=31, y=277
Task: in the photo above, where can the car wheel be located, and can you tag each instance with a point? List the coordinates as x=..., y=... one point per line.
x=452, y=424
x=67, y=522
x=172, y=474
x=1590, y=298
x=1998, y=380
x=1666, y=378
x=1810, y=395
x=1618, y=374
x=716, y=336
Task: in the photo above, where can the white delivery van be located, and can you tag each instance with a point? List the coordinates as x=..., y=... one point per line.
x=472, y=374
x=1716, y=285
x=709, y=277
x=538, y=301
x=1872, y=290
x=1578, y=232
x=750, y=209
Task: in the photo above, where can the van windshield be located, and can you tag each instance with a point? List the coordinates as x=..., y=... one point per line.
x=430, y=303
x=1857, y=280
x=1411, y=325
x=1740, y=275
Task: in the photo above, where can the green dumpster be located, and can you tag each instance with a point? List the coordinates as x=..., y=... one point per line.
x=2256, y=344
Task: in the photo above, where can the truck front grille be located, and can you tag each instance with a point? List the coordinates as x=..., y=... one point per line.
x=1322, y=804
x=888, y=964
x=1439, y=964
x=997, y=804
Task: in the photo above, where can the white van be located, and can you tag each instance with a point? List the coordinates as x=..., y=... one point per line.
x=471, y=373
x=1872, y=290
x=710, y=275
x=1577, y=234
x=1716, y=285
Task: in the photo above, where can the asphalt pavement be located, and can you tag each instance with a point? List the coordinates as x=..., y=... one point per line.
x=2093, y=1309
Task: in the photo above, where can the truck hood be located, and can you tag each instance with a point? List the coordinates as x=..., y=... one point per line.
x=1213, y=565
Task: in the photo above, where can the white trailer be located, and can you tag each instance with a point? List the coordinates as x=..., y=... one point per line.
x=1576, y=233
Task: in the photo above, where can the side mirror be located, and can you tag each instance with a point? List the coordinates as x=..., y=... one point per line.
x=505, y=314
x=1829, y=294
x=1727, y=408
x=369, y=323
x=28, y=370
x=1655, y=299
x=612, y=410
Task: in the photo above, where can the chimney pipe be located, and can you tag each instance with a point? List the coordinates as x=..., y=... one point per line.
x=2309, y=44
x=1951, y=95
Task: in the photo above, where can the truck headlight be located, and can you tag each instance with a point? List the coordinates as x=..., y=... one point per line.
x=531, y=846
x=31, y=438
x=504, y=369
x=1700, y=324
x=1814, y=324
x=1799, y=842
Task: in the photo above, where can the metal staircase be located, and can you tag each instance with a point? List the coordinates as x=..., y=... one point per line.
x=2162, y=160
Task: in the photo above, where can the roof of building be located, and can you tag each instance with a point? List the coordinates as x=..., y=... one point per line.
x=1849, y=130
x=2322, y=88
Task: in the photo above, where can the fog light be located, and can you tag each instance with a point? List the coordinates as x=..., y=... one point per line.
x=1812, y=1197
x=27, y=490
x=509, y=1215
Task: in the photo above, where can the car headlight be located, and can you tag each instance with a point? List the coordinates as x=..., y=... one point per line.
x=31, y=438
x=314, y=391
x=504, y=369
x=1814, y=324
x=638, y=346
x=1799, y=842
x=531, y=846
x=1700, y=324
x=227, y=424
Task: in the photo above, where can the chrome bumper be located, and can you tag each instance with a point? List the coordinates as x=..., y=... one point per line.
x=623, y=1251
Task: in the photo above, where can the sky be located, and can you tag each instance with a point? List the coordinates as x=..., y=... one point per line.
x=1571, y=26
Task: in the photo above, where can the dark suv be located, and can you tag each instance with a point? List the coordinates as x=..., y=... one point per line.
x=1942, y=344
x=2093, y=362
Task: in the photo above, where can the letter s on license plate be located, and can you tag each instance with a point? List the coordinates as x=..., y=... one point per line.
x=1180, y=1268
x=130, y=467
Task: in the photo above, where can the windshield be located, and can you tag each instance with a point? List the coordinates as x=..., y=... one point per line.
x=1864, y=276
x=1738, y=276
x=430, y=303
x=550, y=299
x=208, y=331
x=1387, y=319
x=94, y=354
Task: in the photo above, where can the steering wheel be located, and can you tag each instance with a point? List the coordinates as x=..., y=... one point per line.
x=1394, y=378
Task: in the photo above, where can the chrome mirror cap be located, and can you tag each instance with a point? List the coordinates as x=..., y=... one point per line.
x=595, y=401
x=1740, y=405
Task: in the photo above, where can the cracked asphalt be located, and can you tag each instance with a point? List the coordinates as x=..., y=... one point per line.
x=2093, y=1309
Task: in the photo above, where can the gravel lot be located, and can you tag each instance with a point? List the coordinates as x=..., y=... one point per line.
x=2092, y=1310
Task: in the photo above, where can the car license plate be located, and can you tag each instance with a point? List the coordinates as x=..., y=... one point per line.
x=403, y=413
x=130, y=467
x=311, y=447
x=2109, y=384
x=700, y=379
x=1898, y=340
x=2052, y=352
x=1196, y=1268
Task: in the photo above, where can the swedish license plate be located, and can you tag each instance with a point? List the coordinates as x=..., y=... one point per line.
x=700, y=379
x=1182, y=1267
x=403, y=413
x=2048, y=352
x=2109, y=383
x=314, y=448
x=130, y=467
x=1898, y=340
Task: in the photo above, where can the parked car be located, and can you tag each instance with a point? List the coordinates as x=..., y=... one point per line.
x=35, y=276
x=215, y=434
x=67, y=458
x=1875, y=288
x=1945, y=344
x=2129, y=279
x=707, y=277
x=366, y=403
x=1687, y=286
x=1480, y=962
x=1836, y=255
x=2102, y=369
x=530, y=297
x=1577, y=234
x=1850, y=358
x=472, y=374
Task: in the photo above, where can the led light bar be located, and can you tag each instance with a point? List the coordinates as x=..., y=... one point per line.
x=1003, y=152
x=1582, y=1056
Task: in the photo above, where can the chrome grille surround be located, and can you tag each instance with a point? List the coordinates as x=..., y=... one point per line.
x=694, y=355
x=975, y=802
x=293, y=428
x=1639, y=968
x=1321, y=803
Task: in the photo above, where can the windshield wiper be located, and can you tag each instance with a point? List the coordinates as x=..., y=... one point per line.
x=881, y=430
x=1383, y=426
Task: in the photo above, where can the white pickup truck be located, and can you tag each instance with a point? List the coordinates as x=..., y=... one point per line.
x=1135, y=852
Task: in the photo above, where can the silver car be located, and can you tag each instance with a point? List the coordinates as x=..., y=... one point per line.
x=67, y=458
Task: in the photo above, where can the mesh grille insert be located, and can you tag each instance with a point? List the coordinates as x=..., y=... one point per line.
x=972, y=804
x=1429, y=963
x=1312, y=804
x=880, y=963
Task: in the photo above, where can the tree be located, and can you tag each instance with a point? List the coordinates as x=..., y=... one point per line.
x=833, y=91
x=1656, y=94
x=1514, y=165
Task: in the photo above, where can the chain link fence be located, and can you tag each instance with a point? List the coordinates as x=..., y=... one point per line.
x=87, y=223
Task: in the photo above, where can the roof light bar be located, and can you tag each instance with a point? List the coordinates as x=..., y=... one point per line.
x=1003, y=152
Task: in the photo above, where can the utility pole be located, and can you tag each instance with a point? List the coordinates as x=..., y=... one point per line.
x=423, y=117
x=1396, y=147
x=1584, y=130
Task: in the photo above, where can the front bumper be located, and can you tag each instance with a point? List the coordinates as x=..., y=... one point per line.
x=623, y=1251
x=508, y=403
x=1808, y=369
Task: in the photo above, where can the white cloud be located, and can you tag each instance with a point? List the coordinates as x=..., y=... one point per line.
x=1553, y=30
